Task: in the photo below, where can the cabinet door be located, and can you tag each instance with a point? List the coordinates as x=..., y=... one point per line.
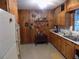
x=56, y=41
x=59, y=43
x=72, y=5
x=73, y=1
x=61, y=18
x=52, y=38
x=69, y=51
x=63, y=46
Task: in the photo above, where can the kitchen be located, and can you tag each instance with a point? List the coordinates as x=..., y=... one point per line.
x=46, y=29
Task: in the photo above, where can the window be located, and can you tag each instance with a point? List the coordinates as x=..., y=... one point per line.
x=76, y=20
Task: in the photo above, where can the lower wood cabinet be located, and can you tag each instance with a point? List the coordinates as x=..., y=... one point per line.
x=64, y=46
x=69, y=51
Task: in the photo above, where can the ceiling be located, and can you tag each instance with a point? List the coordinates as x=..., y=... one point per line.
x=39, y=4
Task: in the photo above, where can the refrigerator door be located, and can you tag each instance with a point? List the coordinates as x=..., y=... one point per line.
x=12, y=53
x=7, y=32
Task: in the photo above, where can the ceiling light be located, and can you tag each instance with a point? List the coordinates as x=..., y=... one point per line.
x=42, y=3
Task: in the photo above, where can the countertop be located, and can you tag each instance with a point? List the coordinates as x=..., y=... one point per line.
x=75, y=42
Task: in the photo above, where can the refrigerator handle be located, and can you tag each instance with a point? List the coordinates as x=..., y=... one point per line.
x=10, y=20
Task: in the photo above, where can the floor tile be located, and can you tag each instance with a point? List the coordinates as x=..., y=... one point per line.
x=42, y=51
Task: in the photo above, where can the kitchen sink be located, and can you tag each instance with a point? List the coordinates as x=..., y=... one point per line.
x=72, y=38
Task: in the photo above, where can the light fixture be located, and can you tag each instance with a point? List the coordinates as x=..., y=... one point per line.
x=42, y=4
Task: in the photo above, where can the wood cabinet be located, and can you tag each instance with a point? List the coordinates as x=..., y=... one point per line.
x=69, y=51
x=50, y=18
x=72, y=5
x=61, y=18
x=56, y=12
x=59, y=45
x=64, y=46
x=53, y=39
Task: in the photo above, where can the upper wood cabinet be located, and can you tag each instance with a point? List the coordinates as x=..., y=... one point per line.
x=72, y=5
x=56, y=12
x=61, y=18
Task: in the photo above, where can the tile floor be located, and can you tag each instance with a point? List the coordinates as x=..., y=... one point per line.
x=43, y=51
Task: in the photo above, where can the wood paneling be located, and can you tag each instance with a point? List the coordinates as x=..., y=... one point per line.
x=12, y=8
x=3, y=4
x=25, y=16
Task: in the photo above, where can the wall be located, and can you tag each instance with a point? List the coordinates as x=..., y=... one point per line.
x=12, y=8
x=25, y=16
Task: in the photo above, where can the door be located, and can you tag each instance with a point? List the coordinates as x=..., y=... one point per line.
x=25, y=30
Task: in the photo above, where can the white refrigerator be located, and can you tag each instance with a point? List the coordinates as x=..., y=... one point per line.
x=8, y=49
